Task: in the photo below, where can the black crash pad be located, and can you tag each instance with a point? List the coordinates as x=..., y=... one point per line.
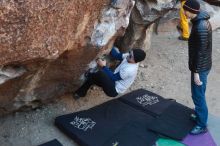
x=175, y=122
x=54, y=142
x=133, y=134
x=147, y=102
x=107, y=123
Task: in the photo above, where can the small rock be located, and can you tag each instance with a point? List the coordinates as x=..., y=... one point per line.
x=142, y=76
x=141, y=65
x=17, y=114
x=26, y=116
x=6, y=136
x=94, y=88
x=64, y=109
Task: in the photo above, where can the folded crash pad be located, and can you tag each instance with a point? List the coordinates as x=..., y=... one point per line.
x=108, y=123
x=172, y=118
x=204, y=139
x=147, y=102
x=174, y=122
x=54, y=142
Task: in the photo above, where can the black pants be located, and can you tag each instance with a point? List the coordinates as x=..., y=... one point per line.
x=100, y=79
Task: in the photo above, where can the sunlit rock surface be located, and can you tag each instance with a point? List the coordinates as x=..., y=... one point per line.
x=47, y=45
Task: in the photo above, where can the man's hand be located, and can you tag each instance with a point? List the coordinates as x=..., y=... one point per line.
x=104, y=51
x=101, y=62
x=197, y=79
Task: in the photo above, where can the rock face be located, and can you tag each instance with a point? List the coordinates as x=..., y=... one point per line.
x=46, y=46
x=144, y=15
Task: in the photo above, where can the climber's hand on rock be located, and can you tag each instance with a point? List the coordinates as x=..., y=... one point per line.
x=104, y=51
x=101, y=62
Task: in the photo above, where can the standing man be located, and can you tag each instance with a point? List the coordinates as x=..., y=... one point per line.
x=117, y=82
x=200, y=61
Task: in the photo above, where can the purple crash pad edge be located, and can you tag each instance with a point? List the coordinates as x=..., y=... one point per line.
x=199, y=140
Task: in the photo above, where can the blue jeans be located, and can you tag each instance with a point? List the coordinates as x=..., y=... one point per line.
x=198, y=96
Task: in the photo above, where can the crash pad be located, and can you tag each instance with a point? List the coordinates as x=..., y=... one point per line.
x=168, y=142
x=174, y=123
x=204, y=139
x=147, y=101
x=113, y=121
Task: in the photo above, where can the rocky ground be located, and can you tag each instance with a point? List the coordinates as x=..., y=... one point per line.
x=165, y=72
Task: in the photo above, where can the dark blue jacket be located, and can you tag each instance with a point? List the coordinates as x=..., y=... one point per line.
x=200, y=43
x=117, y=55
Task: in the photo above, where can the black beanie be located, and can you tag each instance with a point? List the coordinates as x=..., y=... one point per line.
x=139, y=55
x=192, y=6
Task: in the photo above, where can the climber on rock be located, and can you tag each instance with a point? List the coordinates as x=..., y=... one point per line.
x=117, y=82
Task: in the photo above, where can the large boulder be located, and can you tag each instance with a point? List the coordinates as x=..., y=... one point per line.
x=46, y=46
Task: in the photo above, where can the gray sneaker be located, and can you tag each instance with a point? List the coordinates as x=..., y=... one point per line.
x=198, y=130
